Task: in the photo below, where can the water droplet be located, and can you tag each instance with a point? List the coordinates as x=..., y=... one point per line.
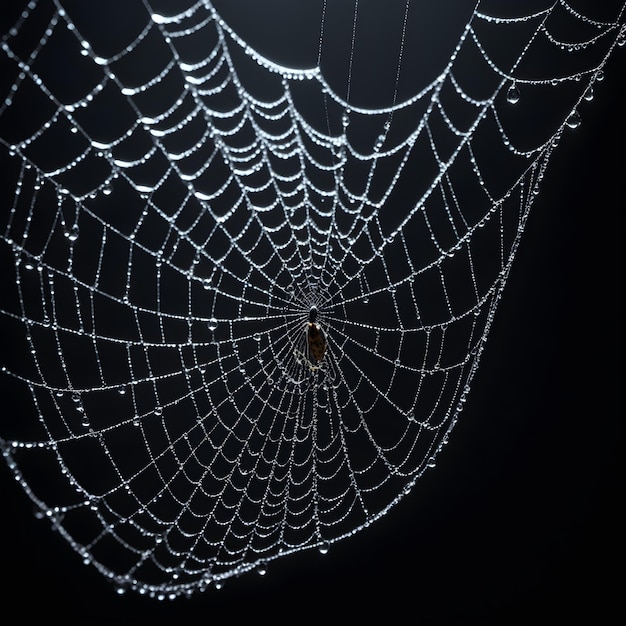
x=261, y=569
x=588, y=96
x=72, y=233
x=257, y=337
x=324, y=547
x=121, y=391
x=573, y=121
x=512, y=95
x=212, y=324
x=107, y=190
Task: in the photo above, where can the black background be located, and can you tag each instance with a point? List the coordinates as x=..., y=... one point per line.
x=520, y=522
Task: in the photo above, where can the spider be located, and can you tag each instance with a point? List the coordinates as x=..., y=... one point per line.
x=316, y=340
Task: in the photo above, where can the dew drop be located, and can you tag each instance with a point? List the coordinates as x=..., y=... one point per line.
x=573, y=121
x=324, y=547
x=72, y=233
x=512, y=95
x=212, y=324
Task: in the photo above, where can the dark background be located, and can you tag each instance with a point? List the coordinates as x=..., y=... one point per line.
x=521, y=520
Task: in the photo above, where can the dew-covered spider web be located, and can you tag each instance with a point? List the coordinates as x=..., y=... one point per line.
x=187, y=185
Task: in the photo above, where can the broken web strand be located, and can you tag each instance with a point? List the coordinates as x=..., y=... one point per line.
x=243, y=214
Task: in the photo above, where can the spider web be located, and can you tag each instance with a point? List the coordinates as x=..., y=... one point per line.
x=185, y=183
